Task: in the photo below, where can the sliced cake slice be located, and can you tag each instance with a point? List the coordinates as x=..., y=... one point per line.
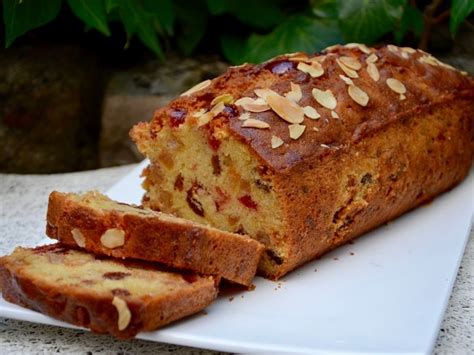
x=111, y=296
x=96, y=223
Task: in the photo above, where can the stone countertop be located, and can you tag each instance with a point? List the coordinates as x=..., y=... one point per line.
x=23, y=200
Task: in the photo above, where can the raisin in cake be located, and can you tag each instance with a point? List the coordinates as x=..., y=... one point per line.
x=103, y=226
x=306, y=152
x=105, y=295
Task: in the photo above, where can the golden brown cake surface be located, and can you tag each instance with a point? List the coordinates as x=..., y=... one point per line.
x=305, y=152
x=103, y=226
x=105, y=295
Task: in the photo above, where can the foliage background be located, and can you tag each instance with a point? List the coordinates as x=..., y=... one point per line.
x=250, y=30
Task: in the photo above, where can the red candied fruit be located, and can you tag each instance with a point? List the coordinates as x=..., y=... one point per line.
x=248, y=202
x=177, y=117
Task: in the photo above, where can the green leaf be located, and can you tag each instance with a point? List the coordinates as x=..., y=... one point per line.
x=366, y=21
x=22, y=16
x=257, y=13
x=412, y=20
x=325, y=8
x=163, y=11
x=111, y=5
x=298, y=33
x=460, y=9
x=137, y=21
x=192, y=16
x=92, y=12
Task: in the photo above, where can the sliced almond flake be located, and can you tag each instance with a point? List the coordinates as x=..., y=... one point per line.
x=392, y=48
x=252, y=105
x=351, y=62
x=428, y=60
x=311, y=112
x=402, y=97
x=218, y=108
x=295, y=93
x=244, y=116
x=263, y=93
x=373, y=71
x=314, y=69
x=276, y=142
x=358, y=95
x=325, y=98
x=285, y=108
x=334, y=114
x=253, y=123
x=465, y=73
x=316, y=129
x=196, y=88
x=372, y=58
x=238, y=66
x=225, y=98
x=396, y=85
x=199, y=113
x=298, y=57
x=325, y=146
x=405, y=55
x=330, y=48
x=296, y=130
x=445, y=65
x=205, y=119
x=408, y=50
x=347, y=80
x=348, y=71
x=360, y=46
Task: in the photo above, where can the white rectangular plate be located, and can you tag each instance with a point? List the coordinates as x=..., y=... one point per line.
x=388, y=297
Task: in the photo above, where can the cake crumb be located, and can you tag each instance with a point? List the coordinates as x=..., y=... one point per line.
x=335, y=258
x=315, y=270
x=231, y=299
x=352, y=253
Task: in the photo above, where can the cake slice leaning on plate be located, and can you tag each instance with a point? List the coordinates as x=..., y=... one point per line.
x=100, y=225
x=108, y=296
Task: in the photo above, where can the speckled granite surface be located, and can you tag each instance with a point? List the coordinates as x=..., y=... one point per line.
x=23, y=200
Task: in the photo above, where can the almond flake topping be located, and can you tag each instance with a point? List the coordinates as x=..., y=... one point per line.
x=330, y=48
x=358, y=95
x=392, y=48
x=124, y=314
x=360, y=46
x=227, y=99
x=372, y=58
x=253, y=123
x=295, y=93
x=196, y=88
x=78, y=237
x=373, y=71
x=297, y=57
x=351, y=62
x=402, y=97
x=348, y=71
x=252, y=105
x=244, y=116
x=296, y=130
x=347, y=80
x=405, y=55
x=263, y=93
x=325, y=98
x=428, y=59
x=205, y=118
x=408, y=50
x=217, y=108
x=276, y=142
x=311, y=112
x=396, y=85
x=199, y=113
x=334, y=114
x=314, y=69
x=285, y=108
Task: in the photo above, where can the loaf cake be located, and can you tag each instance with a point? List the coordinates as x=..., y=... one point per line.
x=306, y=152
x=103, y=226
x=105, y=295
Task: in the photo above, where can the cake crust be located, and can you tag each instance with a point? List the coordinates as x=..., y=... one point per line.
x=151, y=236
x=381, y=134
